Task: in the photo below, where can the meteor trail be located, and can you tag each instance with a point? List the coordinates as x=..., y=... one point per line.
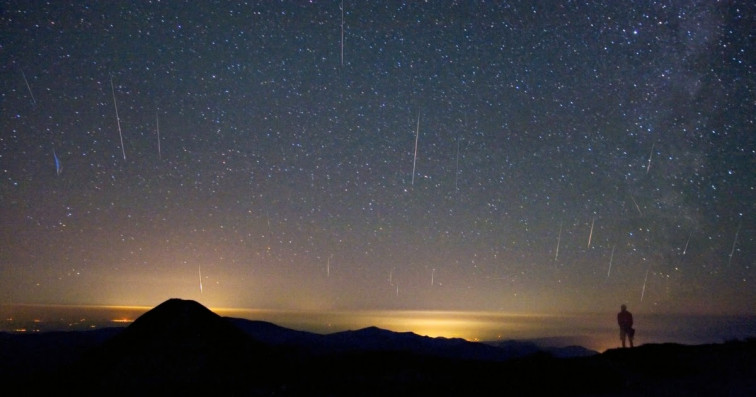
x=648, y=167
x=611, y=257
x=643, y=291
x=58, y=168
x=28, y=87
x=118, y=119
x=199, y=267
x=686, y=243
x=729, y=261
x=636, y=205
x=157, y=127
x=417, y=138
x=456, y=168
x=559, y=240
x=590, y=235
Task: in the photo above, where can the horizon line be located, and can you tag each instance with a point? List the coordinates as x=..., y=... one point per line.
x=374, y=310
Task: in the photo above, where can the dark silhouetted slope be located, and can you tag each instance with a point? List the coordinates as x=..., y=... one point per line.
x=276, y=335
x=523, y=348
x=377, y=339
x=181, y=323
x=727, y=369
x=179, y=346
x=182, y=348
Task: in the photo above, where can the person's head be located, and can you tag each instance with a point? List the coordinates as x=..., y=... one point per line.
x=623, y=307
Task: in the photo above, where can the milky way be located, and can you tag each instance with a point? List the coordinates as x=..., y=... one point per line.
x=380, y=155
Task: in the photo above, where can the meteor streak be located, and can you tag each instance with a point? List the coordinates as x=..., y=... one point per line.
x=559, y=240
x=643, y=291
x=611, y=257
x=686, y=243
x=157, y=127
x=200, y=276
x=417, y=138
x=456, y=168
x=118, y=119
x=636, y=206
x=58, y=167
x=28, y=87
x=729, y=261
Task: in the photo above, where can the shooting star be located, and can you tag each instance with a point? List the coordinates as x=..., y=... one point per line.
x=118, y=119
x=735, y=241
x=28, y=87
x=456, y=168
x=559, y=240
x=157, y=127
x=433, y=274
x=643, y=291
x=199, y=267
x=648, y=167
x=686, y=243
x=590, y=235
x=58, y=167
x=636, y=205
x=417, y=138
x=611, y=258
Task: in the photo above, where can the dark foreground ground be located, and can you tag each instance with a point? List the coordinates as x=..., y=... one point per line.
x=181, y=348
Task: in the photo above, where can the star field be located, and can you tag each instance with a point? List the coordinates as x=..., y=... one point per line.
x=568, y=157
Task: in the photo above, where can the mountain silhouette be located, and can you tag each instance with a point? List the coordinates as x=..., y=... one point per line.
x=182, y=321
x=523, y=348
x=182, y=348
x=377, y=339
x=179, y=345
x=276, y=335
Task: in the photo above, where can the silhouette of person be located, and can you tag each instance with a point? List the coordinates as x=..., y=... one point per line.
x=625, y=321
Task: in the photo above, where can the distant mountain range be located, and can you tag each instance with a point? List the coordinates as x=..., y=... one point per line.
x=182, y=348
x=373, y=339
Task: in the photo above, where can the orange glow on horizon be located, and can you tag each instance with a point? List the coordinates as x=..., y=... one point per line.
x=595, y=331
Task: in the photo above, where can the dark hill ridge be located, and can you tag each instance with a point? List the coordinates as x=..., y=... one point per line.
x=182, y=348
x=515, y=348
x=374, y=339
x=276, y=335
x=183, y=324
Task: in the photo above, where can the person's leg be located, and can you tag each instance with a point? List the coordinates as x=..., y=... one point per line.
x=622, y=337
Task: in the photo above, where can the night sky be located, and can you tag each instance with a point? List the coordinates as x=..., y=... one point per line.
x=479, y=156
